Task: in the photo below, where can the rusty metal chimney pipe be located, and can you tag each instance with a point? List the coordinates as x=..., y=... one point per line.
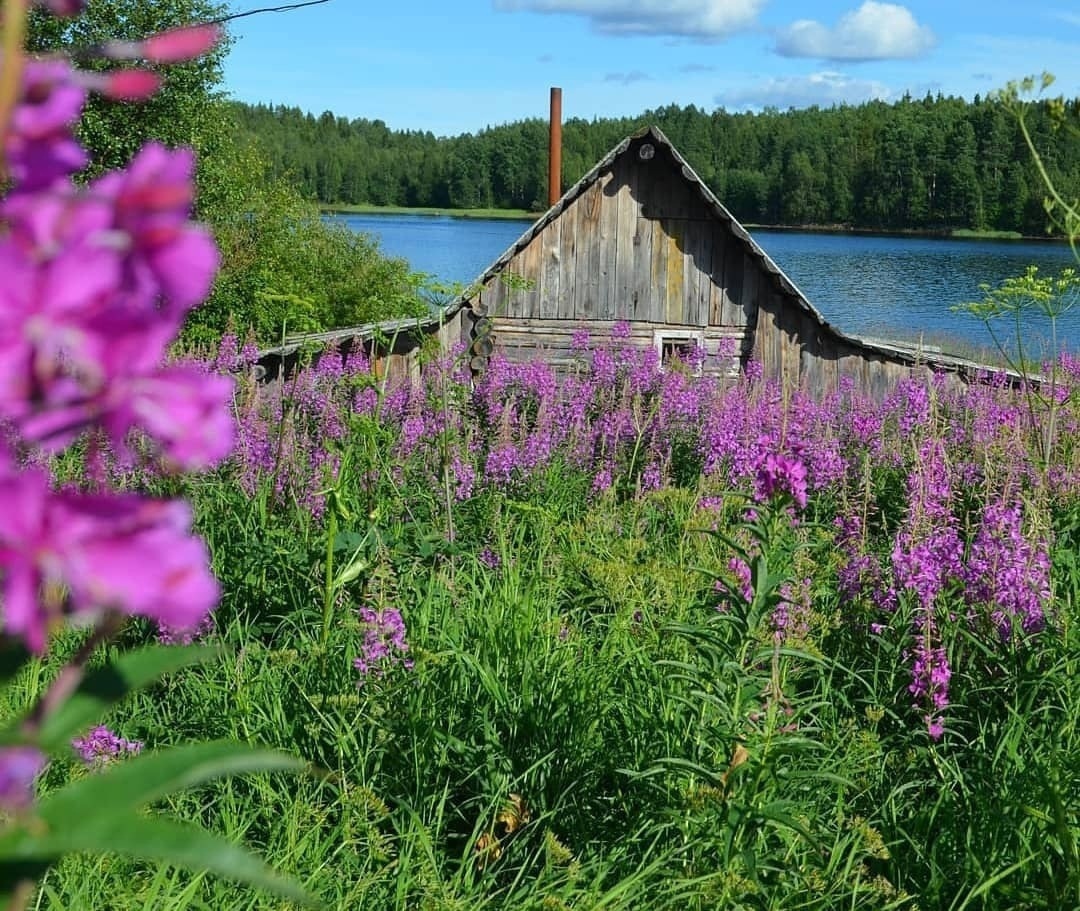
x=555, y=148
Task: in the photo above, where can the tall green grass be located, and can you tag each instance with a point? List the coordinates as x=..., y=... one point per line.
x=583, y=728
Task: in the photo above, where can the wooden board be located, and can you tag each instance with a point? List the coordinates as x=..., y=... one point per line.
x=698, y=272
x=568, y=246
x=675, y=283
x=608, y=238
x=550, y=240
x=657, y=287
x=717, y=293
x=493, y=297
x=626, y=241
x=527, y=279
x=741, y=302
x=588, y=261
x=641, y=268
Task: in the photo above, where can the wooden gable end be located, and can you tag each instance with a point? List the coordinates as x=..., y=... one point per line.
x=637, y=244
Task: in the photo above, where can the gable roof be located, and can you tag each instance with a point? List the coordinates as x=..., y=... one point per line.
x=605, y=164
x=893, y=349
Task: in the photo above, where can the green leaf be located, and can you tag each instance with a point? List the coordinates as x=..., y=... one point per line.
x=349, y=540
x=143, y=779
x=103, y=813
x=152, y=838
x=777, y=813
x=102, y=688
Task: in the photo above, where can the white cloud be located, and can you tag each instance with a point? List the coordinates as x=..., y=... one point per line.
x=627, y=78
x=824, y=89
x=704, y=20
x=875, y=31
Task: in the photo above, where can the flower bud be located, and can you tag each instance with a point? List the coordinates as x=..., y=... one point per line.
x=179, y=44
x=125, y=85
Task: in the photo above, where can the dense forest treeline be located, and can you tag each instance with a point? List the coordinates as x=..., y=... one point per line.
x=939, y=162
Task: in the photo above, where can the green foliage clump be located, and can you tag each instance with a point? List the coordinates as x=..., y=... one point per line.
x=283, y=268
x=930, y=164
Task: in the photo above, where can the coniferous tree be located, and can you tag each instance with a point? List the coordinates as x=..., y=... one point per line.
x=935, y=163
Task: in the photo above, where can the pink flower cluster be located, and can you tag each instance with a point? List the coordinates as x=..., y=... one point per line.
x=997, y=581
x=928, y=487
x=384, y=642
x=97, y=281
x=19, y=768
x=102, y=746
x=779, y=475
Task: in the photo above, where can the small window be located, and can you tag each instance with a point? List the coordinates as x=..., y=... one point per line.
x=676, y=349
x=679, y=346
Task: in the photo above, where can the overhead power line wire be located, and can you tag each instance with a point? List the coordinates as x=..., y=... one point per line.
x=268, y=9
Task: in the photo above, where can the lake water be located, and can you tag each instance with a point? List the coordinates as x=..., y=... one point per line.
x=863, y=284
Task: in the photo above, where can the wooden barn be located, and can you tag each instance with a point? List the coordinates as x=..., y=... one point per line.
x=641, y=239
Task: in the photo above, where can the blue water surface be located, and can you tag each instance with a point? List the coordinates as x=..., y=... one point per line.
x=864, y=284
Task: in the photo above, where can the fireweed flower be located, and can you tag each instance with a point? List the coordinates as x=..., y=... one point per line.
x=778, y=474
x=790, y=619
x=96, y=283
x=63, y=8
x=384, y=643
x=151, y=200
x=652, y=477
x=122, y=552
x=102, y=746
x=930, y=675
x=860, y=573
x=927, y=556
x=19, y=767
x=743, y=578
x=1006, y=575
x=464, y=475
x=169, y=635
x=170, y=46
x=40, y=147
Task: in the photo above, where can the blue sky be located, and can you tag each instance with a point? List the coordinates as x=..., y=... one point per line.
x=461, y=65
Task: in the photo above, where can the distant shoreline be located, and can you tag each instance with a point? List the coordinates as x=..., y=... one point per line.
x=523, y=215
x=505, y=214
x=932, y=233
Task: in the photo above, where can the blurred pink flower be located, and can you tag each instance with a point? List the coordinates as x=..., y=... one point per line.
x=119, y=552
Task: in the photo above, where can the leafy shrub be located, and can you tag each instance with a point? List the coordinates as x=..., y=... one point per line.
x=283, y=267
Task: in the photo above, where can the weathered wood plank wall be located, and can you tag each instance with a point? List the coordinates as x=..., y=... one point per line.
x=552, y=341
x=636, y=245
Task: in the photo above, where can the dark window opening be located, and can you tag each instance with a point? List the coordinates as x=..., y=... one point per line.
x=672, y=350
